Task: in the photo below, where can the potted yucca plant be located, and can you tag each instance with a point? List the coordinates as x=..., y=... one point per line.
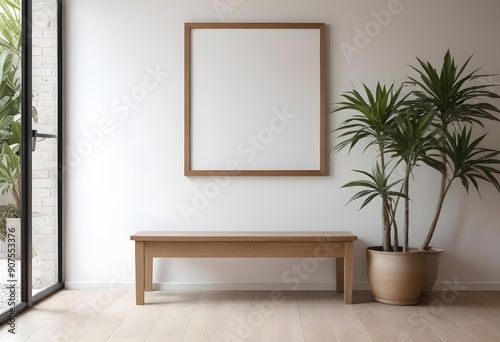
x=463, y=101
x=427, y=121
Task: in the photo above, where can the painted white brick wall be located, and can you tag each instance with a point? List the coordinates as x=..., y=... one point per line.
x=45, y=156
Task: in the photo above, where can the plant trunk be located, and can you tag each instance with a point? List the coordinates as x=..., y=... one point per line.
x=406, y=192
x=386, y=238
x=395, y=235
x=442, y=194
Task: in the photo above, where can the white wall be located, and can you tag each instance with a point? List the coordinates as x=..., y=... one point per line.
x=125, y=156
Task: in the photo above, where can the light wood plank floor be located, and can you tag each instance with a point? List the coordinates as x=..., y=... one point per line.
x=263, y=316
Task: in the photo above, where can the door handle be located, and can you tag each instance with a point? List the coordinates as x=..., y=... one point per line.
x=35, y=135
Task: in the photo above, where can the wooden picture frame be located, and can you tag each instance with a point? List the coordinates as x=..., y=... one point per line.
x=255, y=99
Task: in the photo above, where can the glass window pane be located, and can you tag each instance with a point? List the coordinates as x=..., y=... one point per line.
x=44, y=70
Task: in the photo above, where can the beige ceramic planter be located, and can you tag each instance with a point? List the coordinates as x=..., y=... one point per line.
x=431, y=267
x=395, y=278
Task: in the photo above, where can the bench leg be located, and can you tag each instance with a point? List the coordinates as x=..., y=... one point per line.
x=348, y=271
x=139, y=272
x=148, y=275
x=339, y=268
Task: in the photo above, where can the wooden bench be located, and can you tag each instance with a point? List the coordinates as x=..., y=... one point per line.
x=318, y=245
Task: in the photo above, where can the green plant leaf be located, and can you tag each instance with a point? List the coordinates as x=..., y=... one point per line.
x=375, y=186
